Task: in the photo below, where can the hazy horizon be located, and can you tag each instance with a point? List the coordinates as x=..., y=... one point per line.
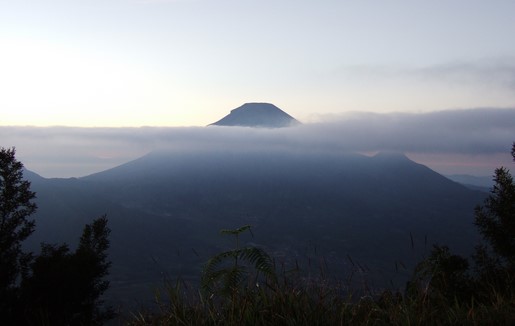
x=474, y=141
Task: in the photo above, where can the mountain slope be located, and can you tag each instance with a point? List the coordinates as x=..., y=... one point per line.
x=299, y=194
x=167, y=207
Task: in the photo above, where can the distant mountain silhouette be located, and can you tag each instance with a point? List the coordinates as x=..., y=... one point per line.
x=264, y=115
x=484, y=183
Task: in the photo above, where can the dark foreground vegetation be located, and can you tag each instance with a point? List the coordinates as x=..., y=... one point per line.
x=243, y=286
x=57, y=286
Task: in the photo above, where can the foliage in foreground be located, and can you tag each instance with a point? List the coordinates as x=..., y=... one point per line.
x=289, y=299
x=319, y=303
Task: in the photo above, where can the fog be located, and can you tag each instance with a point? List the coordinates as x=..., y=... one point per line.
x=467, y=141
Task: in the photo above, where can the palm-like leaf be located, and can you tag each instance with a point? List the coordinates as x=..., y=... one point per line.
x=260, y=260
x=228, y=279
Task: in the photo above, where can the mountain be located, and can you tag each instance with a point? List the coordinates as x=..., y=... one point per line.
x=263, y=115
x=165, y=210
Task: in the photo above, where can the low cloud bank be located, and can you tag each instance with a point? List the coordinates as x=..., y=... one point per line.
x=474, y=131
x=438, y=139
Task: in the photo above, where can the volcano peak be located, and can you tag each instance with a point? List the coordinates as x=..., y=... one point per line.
x=263, y=115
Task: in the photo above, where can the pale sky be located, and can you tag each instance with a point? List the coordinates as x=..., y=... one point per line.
x=120, y=63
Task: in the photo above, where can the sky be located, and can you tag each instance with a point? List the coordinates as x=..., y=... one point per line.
x=130, y=63
x=399, y=74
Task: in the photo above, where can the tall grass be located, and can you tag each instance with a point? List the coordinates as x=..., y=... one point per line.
x=260, y=296
x=297, y=301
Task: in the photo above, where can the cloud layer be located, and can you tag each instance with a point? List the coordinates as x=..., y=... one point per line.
x=482, y=134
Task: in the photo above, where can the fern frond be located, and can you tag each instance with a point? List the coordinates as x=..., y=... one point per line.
x=233, y=278
x=260, y=260
x=210, y=272
x=226, y=280
x=235, y=231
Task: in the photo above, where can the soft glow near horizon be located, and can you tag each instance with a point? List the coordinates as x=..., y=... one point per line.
x=181, y=63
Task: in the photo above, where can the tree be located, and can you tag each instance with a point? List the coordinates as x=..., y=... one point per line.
x=65, y=287
x=92, y=253
x=496, y=220
x=16, y=206
x=495, y=261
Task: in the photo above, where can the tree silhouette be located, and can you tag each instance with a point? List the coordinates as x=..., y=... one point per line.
x=495, y=261
x=64, y=287
x=16, y=206
x=496, y=220
x=56, y=287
